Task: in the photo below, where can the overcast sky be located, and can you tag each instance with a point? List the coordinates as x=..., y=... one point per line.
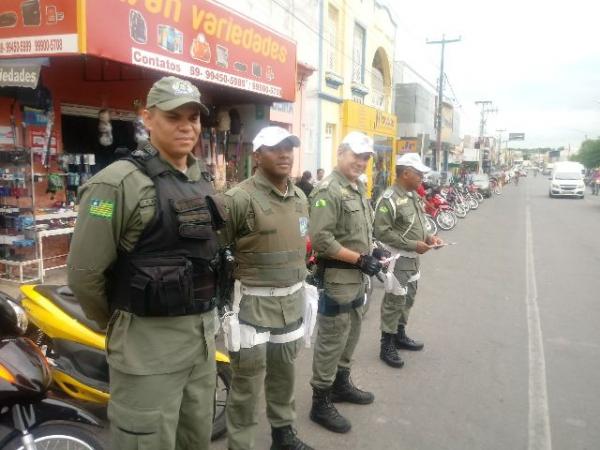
x=538, y=63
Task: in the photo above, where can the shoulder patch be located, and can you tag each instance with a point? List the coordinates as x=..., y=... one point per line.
x=321, y=203
x=102, y=208
x=384, y=209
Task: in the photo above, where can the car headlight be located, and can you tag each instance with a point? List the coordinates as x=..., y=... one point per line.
x=556, y=185
x=581, y=184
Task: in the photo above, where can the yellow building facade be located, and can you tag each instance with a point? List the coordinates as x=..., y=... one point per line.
x=355, y=91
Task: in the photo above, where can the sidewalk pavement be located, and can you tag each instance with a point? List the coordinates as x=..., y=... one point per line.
x=57, y=276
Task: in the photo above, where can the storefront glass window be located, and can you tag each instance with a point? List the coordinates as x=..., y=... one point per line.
x=382, y=165
x=358, y=54
x=332, y=33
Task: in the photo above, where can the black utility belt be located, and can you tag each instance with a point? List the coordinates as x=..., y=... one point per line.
x=331, y=308
x=336, y=264
x=147, y=310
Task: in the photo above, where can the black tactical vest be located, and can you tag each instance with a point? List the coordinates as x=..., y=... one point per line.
x=168, y=272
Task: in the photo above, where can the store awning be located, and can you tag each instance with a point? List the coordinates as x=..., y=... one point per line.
x=196, y=39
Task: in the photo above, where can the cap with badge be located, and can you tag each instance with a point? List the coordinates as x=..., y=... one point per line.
x=271, y=136
x=170, y=93
x=359, y=142
x=412, y=160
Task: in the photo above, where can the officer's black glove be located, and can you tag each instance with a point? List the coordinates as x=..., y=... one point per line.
x=369, y=264
x=381, y=253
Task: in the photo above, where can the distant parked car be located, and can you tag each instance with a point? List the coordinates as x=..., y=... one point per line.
x=482, y=181
x=548, y=169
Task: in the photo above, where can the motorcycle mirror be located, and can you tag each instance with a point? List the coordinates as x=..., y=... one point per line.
x=13, y=319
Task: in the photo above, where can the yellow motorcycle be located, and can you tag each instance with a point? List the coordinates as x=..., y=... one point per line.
x=75, y=349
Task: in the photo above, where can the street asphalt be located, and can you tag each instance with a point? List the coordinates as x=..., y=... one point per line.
x=470, y=387
x=509, y=316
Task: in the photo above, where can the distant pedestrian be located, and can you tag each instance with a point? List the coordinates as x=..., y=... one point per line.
x=305, y=183
x=596, y=182
x=320, y=175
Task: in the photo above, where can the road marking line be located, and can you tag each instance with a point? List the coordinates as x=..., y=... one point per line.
x=539, y=416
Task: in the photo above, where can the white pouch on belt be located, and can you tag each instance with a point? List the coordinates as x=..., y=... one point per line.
x=231, y=331
x=391, y=283
x=231, y=322
x=311, y=305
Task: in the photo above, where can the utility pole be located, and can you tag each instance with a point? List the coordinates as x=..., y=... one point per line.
x=499, y=145
x=484, y=111
x=438, y=122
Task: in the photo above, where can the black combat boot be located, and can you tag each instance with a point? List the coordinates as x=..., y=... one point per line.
x=388, y=353
x=406, y=343
x=325, y=413
x=284, y=438
x=343, y=390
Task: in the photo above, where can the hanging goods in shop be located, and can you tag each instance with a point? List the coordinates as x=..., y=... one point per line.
x=105, y=136
x=140, y=131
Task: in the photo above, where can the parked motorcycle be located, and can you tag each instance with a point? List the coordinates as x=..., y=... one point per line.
x=455, y=201
x=75, y=347
x=495, y=185
x=440, y=210
x=474, y=191
x=33, y=419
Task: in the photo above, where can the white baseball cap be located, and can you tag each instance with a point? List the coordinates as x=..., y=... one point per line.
x=412, y=160
x=271, y=136
x=359, y=142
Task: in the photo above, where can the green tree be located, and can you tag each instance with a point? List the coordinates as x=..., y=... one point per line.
x=589, y=153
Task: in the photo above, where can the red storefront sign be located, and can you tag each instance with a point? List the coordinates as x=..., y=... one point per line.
x=195, y=39
x=38, y=27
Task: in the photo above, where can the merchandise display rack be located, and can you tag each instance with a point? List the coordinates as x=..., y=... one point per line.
x=8, y=212
x=32, y=264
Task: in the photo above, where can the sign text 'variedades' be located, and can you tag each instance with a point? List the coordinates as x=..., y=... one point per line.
x=224, y=27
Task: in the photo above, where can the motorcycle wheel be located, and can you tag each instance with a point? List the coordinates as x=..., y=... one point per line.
x=479, y=197
x=221, y=394
x=497, y=190
x=459, y=210
x=221, y=390
x=445, y=220
x=59, y=436
x=473, y=203
x=431, y=225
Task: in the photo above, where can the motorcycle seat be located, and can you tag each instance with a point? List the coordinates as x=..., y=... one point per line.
x=63, y=297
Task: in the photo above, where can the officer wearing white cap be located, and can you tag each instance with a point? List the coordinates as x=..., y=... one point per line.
x=267, y=229
x=400, y=225
x=340, y=232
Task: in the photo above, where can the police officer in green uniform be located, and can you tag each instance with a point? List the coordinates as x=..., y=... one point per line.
x=267, y=228
x=401, y=226
x=139, y=263
x=340, y=231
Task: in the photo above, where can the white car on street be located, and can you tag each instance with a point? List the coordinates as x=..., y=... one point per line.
x=567, y=181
